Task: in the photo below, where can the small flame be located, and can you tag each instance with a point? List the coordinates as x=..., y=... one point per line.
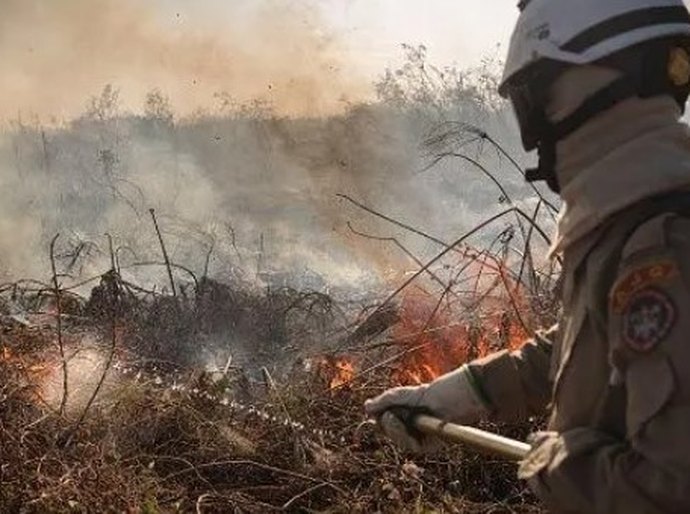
x=345, y=372
x=336, y=371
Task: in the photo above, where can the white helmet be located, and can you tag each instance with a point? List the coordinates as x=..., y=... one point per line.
x=647, y=40
x=585, y=31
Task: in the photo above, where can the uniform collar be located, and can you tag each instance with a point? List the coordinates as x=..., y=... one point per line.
x=636, y=150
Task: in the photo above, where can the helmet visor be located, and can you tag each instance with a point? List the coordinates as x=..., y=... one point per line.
x=528, y=93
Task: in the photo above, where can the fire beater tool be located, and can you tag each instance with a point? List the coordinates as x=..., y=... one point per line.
x=481, y=440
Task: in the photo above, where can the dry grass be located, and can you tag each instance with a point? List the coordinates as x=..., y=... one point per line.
x=148, y=446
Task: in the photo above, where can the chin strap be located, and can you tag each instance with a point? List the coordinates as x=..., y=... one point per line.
x=603, y=100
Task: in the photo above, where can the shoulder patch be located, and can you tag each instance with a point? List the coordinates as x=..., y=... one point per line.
x=639, y=279
x=647, y=319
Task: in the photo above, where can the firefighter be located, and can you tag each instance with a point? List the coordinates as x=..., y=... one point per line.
x=598, y=88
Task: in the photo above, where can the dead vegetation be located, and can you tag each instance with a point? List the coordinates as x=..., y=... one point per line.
x=202, y=444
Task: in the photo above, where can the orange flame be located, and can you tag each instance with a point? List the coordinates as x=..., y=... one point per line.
x=345, y=372
x=336, y=371
x=435, y=344
x=433, y=340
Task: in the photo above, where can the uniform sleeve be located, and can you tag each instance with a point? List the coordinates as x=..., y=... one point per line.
x=514, y=385
x=647, y=468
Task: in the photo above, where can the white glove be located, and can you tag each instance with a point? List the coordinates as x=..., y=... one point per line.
x=451, y=397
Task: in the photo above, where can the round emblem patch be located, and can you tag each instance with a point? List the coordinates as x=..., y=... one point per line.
x=648, y=318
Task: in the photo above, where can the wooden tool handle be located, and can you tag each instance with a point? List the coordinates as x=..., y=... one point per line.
x=481, y=440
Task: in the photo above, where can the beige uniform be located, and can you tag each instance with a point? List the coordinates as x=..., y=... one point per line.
x=616, y=372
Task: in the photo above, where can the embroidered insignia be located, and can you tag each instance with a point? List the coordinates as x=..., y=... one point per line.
x=639, y=279
x=648, y=318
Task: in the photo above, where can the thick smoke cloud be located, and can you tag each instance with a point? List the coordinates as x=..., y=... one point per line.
x=257, y=188
x=54, y=54
x=261, y=191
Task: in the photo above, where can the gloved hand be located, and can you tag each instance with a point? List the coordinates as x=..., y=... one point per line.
x=545, y=446
x=451, y=397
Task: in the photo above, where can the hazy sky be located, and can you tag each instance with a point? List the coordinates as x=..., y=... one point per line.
x=305, y=56
x=454, y=30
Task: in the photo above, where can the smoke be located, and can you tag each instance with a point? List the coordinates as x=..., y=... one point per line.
x=255, y=192
x=53, y=55
x=259, y=194
x=86, y=363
